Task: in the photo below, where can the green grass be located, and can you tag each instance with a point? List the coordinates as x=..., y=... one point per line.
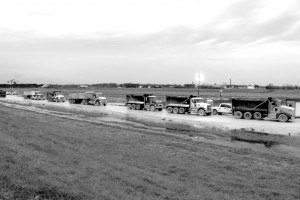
x=46, y=157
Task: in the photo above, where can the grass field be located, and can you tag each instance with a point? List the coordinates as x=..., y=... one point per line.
x=46, y=157
x=118, y=94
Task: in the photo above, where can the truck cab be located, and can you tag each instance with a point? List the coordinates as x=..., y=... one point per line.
x=56, y=96
x=151, y=103
x=198, y=105
x=96, y=98
x=101, y=98
x=280, y=112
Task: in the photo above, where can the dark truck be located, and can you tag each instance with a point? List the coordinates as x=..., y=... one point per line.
x=259, y=109
x=55, y=96
x=145, y=102
x=88, y=98
x=190, y=104
x=2, y=93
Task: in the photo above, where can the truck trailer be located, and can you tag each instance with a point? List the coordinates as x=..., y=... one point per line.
x=190, y=104
x=143, y=102
x=33, y=95
x=88, y=98
x=259, y=109
x=55, y=96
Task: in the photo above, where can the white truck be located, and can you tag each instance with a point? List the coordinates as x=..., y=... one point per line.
x=223, y=108
x=190, y=104
x=33, y=95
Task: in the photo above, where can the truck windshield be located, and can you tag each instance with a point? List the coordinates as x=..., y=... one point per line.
x=152, y=98
x=198, y=100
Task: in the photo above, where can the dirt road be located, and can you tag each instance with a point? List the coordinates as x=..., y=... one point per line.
x=118, y=112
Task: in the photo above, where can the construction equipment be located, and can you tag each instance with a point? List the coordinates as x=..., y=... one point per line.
x=55, y=96
x=259, y=109
x=88, y=98
x=190, y=104
x=143, y=102
x=33, y=95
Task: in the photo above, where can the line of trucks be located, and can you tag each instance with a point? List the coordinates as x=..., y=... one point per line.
x=84, y=98
x=240, y=108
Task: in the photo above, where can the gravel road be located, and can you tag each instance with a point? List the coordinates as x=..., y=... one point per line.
x=118, y=111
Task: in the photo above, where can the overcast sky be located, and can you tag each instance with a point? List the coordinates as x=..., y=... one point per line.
x=150, y=41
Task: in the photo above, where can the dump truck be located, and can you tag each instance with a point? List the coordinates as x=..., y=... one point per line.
x=34, y=95
x=2, y=93
x=55, y=96
x=259, y=109
x=87, y=98
x=187, y=104
x=143, y=102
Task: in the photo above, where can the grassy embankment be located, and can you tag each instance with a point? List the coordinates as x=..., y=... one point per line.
x=45, y=157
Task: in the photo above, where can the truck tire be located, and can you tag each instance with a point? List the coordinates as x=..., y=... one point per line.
x=97, y=103
x=248, y=115
x=138, y=107
x=283, y=118
x=133, y=106
x=257, y=115
x=238, y=114
x=152, y=108
x=128, y=106
x=83, y=102
x=181, y=110
x=169, y=109
x=215, y=112
x=175, y=110
x=201, y=112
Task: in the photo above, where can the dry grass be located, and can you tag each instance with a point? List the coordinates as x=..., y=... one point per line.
x=46, y=157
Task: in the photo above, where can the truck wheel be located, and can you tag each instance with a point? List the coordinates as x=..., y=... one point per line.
x=128, y=106
x=238, y=114
x=133, y=106
x=152, y=108
x=169, y=109
x=201, y=112
x=97, y=103
x=181, y=110
x=248, y=115
x=257, y=115
x=83, y=102
x=215, y=112
x=283, y=118
x=138, y=107
x=175, y=110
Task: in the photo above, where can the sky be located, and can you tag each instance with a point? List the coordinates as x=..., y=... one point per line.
x=157, y=41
